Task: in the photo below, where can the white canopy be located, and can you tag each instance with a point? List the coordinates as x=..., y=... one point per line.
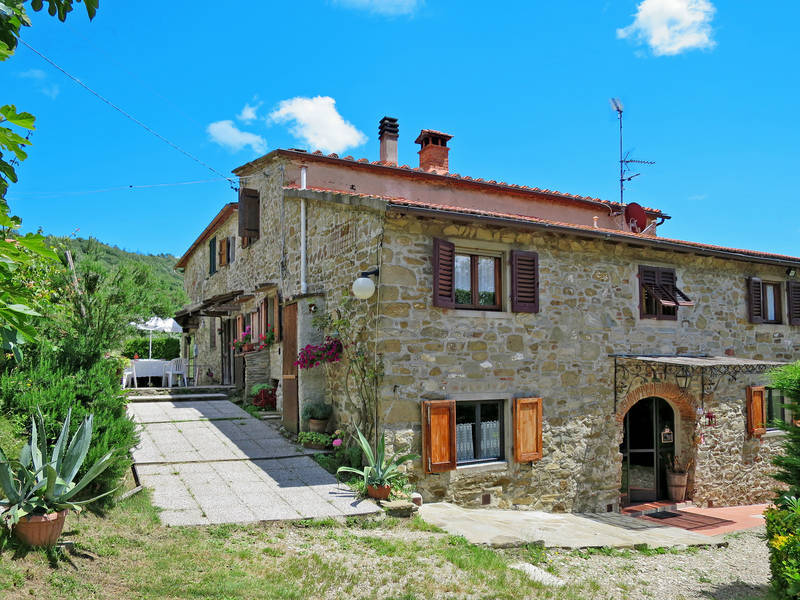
x=158, y=324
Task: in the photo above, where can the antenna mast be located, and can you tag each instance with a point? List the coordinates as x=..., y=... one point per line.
x=624, y=158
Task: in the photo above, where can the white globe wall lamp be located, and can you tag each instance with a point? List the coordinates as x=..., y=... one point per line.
x=364, y=287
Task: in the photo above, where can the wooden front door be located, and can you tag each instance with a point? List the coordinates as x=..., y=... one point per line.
x=291, y=416
x=226, y=351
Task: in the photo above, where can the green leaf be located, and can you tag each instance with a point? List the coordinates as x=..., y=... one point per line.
x=7, y=482
x=77, y=450
x=61, y=442
x=24, y=120
x=95, y=470
x=22, y=309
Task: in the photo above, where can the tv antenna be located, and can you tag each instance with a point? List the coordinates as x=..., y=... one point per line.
x=625, y=160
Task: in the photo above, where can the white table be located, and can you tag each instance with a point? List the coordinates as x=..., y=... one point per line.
x=150, y=367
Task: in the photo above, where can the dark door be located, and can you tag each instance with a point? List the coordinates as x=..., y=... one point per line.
x=291, y=416
x=647, y=445
x=226, y=352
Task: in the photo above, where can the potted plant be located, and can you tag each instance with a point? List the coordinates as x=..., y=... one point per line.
x=677, y=476
x=263, y=395
x=379, y=472
x=317, y=414
x=244, y=342
x=314, y=440
x=39, y=487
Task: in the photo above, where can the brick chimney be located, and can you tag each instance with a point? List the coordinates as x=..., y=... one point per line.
x=433, y=151
x=388, y=131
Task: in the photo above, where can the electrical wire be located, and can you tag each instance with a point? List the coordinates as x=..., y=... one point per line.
x=46, y=195
x=129, y=116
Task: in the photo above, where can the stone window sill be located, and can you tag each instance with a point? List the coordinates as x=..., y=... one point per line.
x=481, y=314
x=498, y=465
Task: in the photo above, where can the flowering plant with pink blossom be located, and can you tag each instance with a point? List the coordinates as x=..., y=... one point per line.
x=310, y=356
x=244, y=339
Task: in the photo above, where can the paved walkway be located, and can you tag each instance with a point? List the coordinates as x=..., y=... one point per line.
x=496, y=527
x=208, y=461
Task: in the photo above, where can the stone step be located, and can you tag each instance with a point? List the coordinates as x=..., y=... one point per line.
x=655, y=507
x=176, y=397
x=219, y=389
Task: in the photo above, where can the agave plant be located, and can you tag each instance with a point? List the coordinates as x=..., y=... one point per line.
x=39, y=484
x=378, y=471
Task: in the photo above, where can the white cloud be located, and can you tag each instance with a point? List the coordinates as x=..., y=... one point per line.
x=318, y=123
x=51, y=91
x=248, y=114
x=672, y=26
x=227, y=135
x=33, y=74
x=384, y=7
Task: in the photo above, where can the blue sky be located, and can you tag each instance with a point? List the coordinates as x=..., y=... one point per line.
x=710, y=92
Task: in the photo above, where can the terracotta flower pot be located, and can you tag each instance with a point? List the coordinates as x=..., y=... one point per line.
x=379, y=492
x=317, y=425
x=40, y=530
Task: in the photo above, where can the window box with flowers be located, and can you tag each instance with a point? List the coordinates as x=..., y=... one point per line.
x=244, y=343
x=310, y=356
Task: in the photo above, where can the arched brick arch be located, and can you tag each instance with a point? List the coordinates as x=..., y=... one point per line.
x=681, y=400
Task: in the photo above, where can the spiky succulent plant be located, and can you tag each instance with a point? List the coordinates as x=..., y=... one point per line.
x=39, y=483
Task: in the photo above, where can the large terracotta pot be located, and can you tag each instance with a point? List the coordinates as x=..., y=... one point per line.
x=318, y=425
x=379, y=492
x=40, y=530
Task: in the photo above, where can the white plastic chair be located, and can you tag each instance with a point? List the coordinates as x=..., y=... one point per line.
x=129, y=375
x=176, y=367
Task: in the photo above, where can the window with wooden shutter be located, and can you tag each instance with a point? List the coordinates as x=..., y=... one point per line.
x=527, y=429
x=524, y=281
x=438, y=435
x=659, y=295
x=249, y=226
x=755, y=302
x=793, y=304
x=756, y=410
x=444, y=254
x=212, y=256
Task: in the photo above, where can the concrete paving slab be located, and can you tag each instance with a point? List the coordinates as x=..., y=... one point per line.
x=211, y=462
x=495, y=527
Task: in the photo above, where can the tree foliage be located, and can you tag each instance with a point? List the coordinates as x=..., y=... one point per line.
x=17, y=251
x=787, y=379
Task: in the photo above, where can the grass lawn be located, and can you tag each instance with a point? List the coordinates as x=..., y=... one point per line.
x=128, y=554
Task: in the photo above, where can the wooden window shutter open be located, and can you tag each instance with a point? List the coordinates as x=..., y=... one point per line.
x=793, y=304
x=668, y=283
x=276, y=317
x=438, y=435
x=755, y=300
x=444, y=276
x=524, y=281
x=527, y=429
x=222, y=252
x=212, y=256
x=756, y=410
x=248, y=213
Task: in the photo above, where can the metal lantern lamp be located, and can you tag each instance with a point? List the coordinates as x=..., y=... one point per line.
x=683, y=377
x=364, y=287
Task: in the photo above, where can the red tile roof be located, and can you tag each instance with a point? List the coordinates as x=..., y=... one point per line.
x=453, y=178
x=400, y=203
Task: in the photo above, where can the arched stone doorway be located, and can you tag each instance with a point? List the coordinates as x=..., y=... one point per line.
x=656, y=423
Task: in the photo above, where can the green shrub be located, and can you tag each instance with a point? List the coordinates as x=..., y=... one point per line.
x=95, y=390
x=317, y=410
x=783, y=534
x=165, y=348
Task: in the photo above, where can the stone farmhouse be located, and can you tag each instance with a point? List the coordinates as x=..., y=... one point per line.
x=540, y=350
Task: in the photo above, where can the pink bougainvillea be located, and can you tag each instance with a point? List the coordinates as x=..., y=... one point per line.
x=329, y=351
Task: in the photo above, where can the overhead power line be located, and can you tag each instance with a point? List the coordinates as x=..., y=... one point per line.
x=129, y=116
x=46, y=195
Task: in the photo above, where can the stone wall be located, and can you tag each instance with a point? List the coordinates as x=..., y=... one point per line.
x=589, y=298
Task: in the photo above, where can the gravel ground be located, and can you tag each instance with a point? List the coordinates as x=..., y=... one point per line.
x=740, y=571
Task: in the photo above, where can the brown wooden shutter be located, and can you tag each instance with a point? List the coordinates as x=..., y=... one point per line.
x=755, y=300
x=276, y=317
x=524, y=281
x=527, y=429
x=756, y=410
x=444, y=266
x=438, y=435
x=239, y=326
x=248, y=213
x=222, y=252
x=793, y=304
x=668, y=284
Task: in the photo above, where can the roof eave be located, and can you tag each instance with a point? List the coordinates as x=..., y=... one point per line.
x=660, y=243
x=223, y=214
